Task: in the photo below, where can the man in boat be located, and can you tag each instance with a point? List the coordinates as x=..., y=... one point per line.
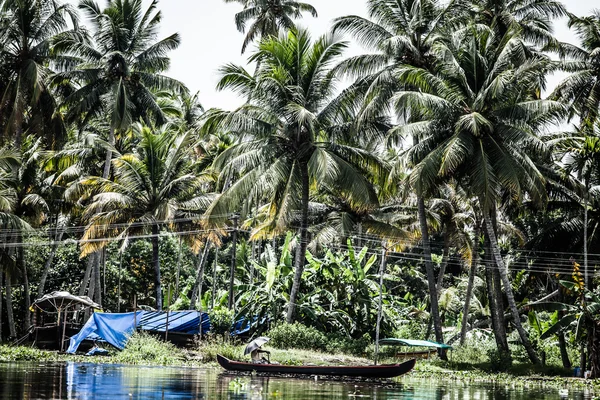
x=257, y=356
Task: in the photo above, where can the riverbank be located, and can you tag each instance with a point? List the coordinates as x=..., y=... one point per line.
x=145, y=350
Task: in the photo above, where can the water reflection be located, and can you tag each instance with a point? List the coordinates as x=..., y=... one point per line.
x=89, y=381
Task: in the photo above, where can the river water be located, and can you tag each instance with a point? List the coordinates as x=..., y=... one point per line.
x=92, y=381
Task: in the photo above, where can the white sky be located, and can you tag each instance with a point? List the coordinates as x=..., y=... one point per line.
x=210, y=38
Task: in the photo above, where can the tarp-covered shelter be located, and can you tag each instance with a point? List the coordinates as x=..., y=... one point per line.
x=117, y=328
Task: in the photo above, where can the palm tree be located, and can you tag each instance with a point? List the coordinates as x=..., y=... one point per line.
x=268, y=16
x=581, y=88
x=533, y=17
x=117, y=71
x=120, y=69
x=397, y=33
x=27, y=31
x=290, y=138
x=479, y=123
x=10, y=223
x=151, y=186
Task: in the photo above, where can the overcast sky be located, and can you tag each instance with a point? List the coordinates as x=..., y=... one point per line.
x=210, y=38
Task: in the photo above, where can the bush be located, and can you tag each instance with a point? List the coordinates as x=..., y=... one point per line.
x=221, y=320
x=499, y=361
x=342, y=344
x=143, y=349
x=22, y=353
x=218, y=345
x=297, y=336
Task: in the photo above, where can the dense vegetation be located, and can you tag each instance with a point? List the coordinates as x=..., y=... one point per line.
x=437, y=169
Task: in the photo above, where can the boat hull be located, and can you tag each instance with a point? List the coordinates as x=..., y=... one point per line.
x=368, y=371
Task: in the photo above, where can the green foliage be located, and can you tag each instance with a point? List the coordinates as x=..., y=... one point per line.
x=221, y=320
x=21, y=353
x=217, y=344
x=297, y=336
x=144, y=349
x=499, y=361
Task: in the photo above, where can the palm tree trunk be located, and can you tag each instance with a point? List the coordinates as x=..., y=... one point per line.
x=86, y=275
x=1, y=285
x=156, y=265
x=433, y=297
x=380, y=299
x=26, y=290
x=471, y=282
x=586, y=275
x=9, y=308
x=444, y=264
x=214, y=279
x=197, y=291
x=98, y=277
x=496, y=312
x=508, y=289
x=562, y=344
x=178, y=271
x=92, y=286
x=301, y=254
x=48, y=264
x=231, y=296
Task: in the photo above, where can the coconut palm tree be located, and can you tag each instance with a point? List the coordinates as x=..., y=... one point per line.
x=397, y=33
x=581, y=88
x=151, y=186
x=118, y=70
x=290, y=138
x=479, y=120
x=11, y=225
x=268, y=16
x=27, y=31
x=533, y=17
x=120, y=67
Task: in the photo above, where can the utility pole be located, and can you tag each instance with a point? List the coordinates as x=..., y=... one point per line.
x=214, y=280
x=233, y=257
x=380, y=301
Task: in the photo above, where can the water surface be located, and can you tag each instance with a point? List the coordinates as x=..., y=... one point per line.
x=93, y=381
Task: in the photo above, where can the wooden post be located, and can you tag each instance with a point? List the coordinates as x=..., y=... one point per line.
x=230, y=300
x=380, y=301
x=134, y=313
x=168, y=307
x=119, y=286
x=64, y=327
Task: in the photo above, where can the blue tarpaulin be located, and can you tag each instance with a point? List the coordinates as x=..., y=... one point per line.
x=179, y=321
x=117, y=328
x=243, y=325
x=113, y=328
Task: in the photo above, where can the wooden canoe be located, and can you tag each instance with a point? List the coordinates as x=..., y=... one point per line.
x=366, y=371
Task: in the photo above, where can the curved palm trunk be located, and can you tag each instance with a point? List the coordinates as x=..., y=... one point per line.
x=197, y=291
x=562, y=343
x=53, y=250
x=156, y=265
x=433, y=297
x=472, y=272
x=508, y=289
x=301, y=254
